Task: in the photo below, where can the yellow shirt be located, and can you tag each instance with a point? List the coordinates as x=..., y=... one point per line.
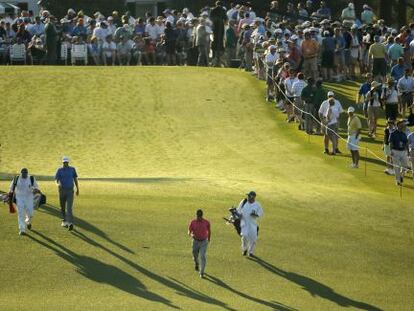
x=354, y=125
x=377, y=50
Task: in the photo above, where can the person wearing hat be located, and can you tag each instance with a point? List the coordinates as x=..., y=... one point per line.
x=65, y=178
x=307, y=96
x=349, y=12
x=398, y=70
x=399, y=151
x=373, y=107
x=354, y=129
x=249, y=210
x=328, y=47
x=367, y=15
x=329, y=113
x=389, y=97
x=22, y=189
x=200, y=231
x=405, y=87
x=389, y=170
x=218, y=17
x=297, y=89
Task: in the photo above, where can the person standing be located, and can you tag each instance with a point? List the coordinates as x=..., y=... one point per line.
x=218, y=17
x=249, y=210
x=202, y=43
x=386, y=147
x=66, y=177
x=399, y=148
x=307, y=96
x=405, y=87
x=22, y=188
x=200, y=231
x=329, y=112
x=354, y=129
x=51, y=39
x=374, y=105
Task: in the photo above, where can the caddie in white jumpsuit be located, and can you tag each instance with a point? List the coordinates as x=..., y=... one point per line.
x=250, y=210
x=24, y=191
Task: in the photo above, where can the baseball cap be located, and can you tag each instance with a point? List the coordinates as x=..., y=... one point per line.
x=331, y=94
x=251, y=194
x=65, y=159
x=351, y=109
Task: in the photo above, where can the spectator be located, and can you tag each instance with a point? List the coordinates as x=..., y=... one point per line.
x=310, y=51
x=151, y=29
x=109, y=51
x=140, y=27
x=374, y=104
x=405, y=88
x=38, y=28
x=328, y=55
x=308, y=94
x=324, y=12
x=367, y=15
x=378, y=53
x=138, y=49
x=230, y=42
x=349, y=12
x=149, y=51
x=399, y=147
x=354, y=129
x=124, y=51
x=390, y=98
x=51, y=39
x=297, y=89
x=36, y=51
x=389, y=170
x=80, y=30
x=288, y=86
x=395, y=51
x=329, y=113
x=202, y=42
x=94, y=50
x=170, y=44
x=398, y=70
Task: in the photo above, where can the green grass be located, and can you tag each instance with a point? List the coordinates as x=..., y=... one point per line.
x=153, y=145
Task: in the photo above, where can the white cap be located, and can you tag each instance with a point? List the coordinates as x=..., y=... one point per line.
x=351, y=109
x=65, y=159
x=331, y=94
x=351, y=6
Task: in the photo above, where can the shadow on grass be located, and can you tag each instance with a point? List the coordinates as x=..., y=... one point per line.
x=315, y=288
x=54, y=211
x=178, y=287
x=100, y=272
x=271, y=304
x=142, y=180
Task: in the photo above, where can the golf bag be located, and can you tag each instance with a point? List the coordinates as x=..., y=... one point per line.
x=5, y=197
x=38, y=198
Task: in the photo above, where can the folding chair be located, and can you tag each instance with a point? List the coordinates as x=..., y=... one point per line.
x=18, y=53
x=79, y=53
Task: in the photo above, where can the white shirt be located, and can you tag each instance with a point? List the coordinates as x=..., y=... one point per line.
x=248, y=223
x=298, y=87
x=109, y=46
x=390, y=95
x=289, y=84
x=152, y=31
x=336, y=111
x=100, y=34
x=24, y=188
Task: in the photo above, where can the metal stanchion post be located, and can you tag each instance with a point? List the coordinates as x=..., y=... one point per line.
x=366, y=158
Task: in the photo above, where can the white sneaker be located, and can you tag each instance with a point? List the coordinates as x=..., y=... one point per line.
x=64, y=224
x=392, y=172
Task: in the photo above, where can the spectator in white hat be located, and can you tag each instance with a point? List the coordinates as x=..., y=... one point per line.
x=349, y=12
x=354, y=129
x=367, y=15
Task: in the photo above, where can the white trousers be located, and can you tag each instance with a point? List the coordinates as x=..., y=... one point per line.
x=24, y=211
x=249, y=238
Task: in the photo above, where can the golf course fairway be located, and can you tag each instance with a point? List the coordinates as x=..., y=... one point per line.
x=153, y=145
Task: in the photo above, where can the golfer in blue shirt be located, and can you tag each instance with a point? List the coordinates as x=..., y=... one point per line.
x=66, y=177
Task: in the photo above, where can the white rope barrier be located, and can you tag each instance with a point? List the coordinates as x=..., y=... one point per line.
x=323, y=126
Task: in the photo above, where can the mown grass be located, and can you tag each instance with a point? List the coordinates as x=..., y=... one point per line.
x=155, y=144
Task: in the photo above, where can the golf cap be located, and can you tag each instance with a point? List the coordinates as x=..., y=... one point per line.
x=351, y=109
x=331, y=94
x=251, y=194
x=65, y=159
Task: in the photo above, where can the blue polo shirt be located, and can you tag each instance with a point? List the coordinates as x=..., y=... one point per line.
x=65, y=176
x=397, y=72
x=364, y=89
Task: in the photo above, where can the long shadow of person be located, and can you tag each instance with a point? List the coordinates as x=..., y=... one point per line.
x=178, y=287
x=271, y=304
x=100, y=272
x=315, y=288
x=54, y=211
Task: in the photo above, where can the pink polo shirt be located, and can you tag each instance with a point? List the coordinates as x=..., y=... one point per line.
x=200, y=229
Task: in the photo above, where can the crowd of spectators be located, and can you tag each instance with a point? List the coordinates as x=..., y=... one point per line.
x=294, y=48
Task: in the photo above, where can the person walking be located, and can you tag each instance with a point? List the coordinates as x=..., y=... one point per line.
x=374, y=105
x=354, y=129
x=51, y=39
x=399, y=149
x=405, y=88
x=66, y=177
x=200, y=231
x=386, y=147
x=22, y=189
x=249, y=210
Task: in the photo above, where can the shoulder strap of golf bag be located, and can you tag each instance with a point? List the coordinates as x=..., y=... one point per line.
x=32, y=180
x=244, y=202
x=15, y=180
